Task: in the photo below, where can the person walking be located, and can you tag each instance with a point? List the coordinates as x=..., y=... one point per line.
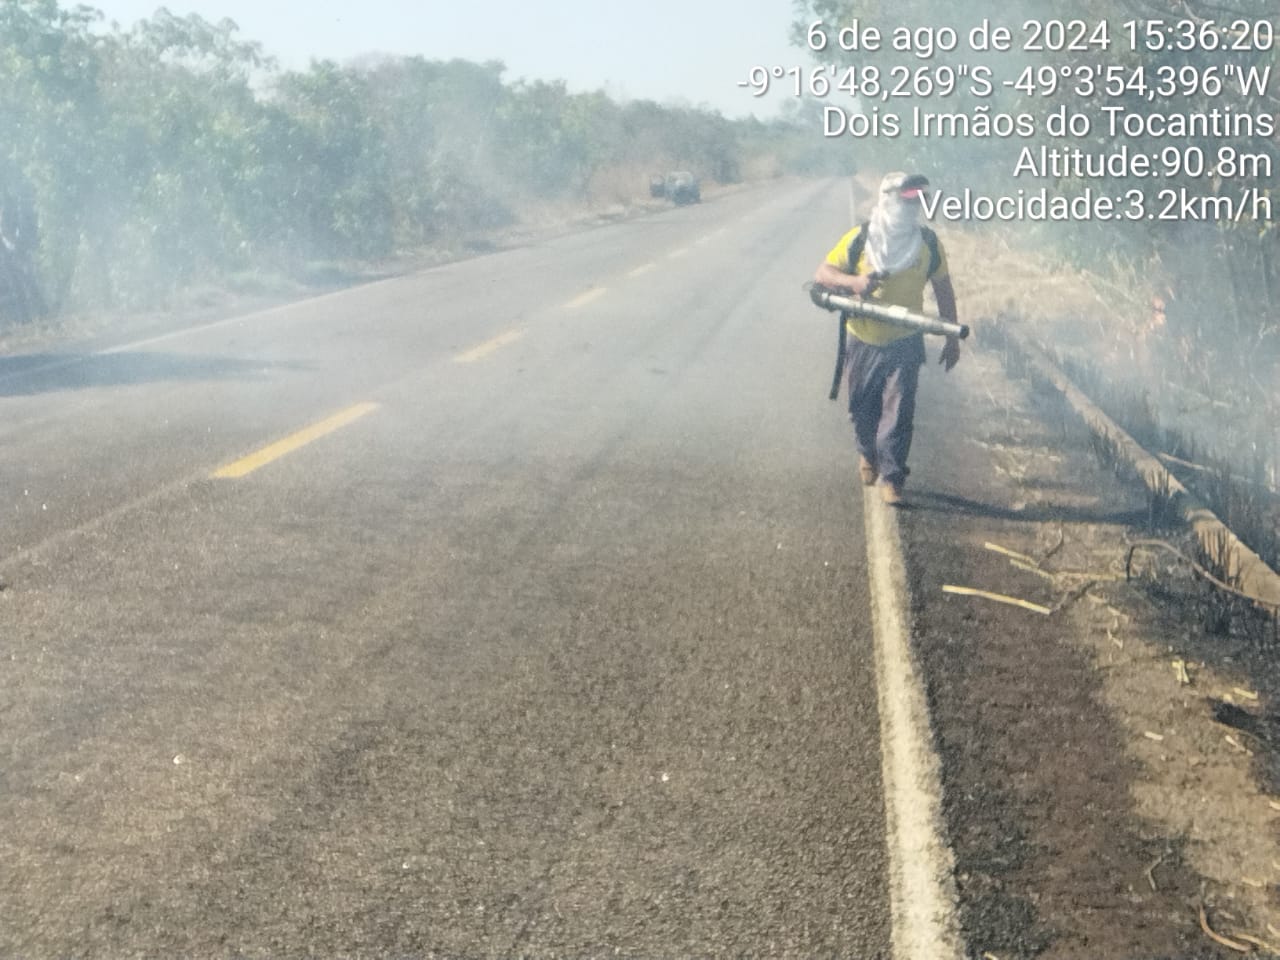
x=889, y=260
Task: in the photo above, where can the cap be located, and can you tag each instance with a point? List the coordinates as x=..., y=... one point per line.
x=906, y=185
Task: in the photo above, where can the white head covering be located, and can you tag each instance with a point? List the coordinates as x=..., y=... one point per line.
x=893, y=235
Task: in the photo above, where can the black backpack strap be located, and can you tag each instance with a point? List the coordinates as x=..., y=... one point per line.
x=857, y=245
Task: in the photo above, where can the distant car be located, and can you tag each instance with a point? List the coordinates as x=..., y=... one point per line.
x=682, y=187
x=657, y=185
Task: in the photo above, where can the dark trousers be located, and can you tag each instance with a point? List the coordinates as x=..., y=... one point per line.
x=882, y=401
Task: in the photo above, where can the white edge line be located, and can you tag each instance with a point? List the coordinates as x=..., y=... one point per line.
x=252, y=315
x=172, y=335
x=922, y=891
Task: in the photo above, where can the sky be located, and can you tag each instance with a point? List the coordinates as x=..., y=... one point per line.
x=693, y=51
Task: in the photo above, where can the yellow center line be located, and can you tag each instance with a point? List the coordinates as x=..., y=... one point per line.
x=642, y=269
x=275, y=451
x=483, y=350
x=584, y=298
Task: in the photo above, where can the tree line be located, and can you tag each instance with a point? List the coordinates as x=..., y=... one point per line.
x=136, y=162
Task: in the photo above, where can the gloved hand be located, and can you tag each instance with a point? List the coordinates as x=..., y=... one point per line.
x=873, y=281
x=950, y=353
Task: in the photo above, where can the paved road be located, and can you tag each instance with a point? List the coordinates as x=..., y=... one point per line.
x=558, y=647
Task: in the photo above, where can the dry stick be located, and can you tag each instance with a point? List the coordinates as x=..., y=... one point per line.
x=1259, y=943
x=1113, y=638
x=1023, y=562
x=1238, y=745
x=1201, y=468
x=1151, y=875
x=1032, y=568
x=1012, y=554
x=1227, y=942
x=998, y=597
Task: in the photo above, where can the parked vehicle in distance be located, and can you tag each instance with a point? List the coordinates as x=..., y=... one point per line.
x=683, y=187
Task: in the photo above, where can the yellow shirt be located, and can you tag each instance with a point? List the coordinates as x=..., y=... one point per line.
x=902, y=289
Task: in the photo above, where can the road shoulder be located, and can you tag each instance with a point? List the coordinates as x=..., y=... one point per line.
x=1091, y=800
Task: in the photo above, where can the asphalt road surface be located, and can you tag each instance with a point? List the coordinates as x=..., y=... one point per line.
x=555, y=642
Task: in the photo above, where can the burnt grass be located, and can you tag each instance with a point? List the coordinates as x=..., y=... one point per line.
x=1052, y=861
x=1225, y=629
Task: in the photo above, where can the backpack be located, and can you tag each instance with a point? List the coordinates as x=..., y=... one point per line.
x=859, y=242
